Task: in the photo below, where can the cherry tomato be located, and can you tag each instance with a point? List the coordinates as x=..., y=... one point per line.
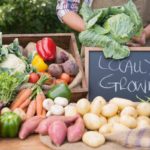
x=34, y=77
x=65, y=77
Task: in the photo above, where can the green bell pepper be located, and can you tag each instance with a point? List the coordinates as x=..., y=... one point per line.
x=9, y=125
x=59, y=90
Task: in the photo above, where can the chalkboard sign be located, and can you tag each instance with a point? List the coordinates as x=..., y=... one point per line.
x=127, y=78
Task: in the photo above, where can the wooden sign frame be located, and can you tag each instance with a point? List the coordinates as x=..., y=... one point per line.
x=87, y=51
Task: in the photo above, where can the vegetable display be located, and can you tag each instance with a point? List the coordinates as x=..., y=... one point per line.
x=111, y=28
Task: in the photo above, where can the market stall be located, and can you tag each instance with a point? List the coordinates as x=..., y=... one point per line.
x=48, y=102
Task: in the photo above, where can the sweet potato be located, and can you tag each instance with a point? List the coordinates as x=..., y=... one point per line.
x=57, y=132
x=76, y=131
x=43, y=126
x=29, y=126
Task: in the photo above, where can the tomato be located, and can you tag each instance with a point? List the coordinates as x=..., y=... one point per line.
x=58, y=81
x=65, y=77
x=34, y=77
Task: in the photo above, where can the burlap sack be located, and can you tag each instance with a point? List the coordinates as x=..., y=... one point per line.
x=126, y=140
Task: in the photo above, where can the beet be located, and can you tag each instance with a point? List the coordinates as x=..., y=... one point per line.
x=61, y=57
x=55, y=70
x=70, y=67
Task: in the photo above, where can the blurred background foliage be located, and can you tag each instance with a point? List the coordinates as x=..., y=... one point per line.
x=30, y=16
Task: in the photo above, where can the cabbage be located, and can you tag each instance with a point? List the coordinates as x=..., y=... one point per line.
x=111, y=28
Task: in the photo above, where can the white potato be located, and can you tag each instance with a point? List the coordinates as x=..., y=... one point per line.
x=105, y=129
x=49, y=113
x=70, y=110
x=83, y=106
x=93, y=139
x=114, y=119
x=97, y=104
x=143, y=124
x=118, y=127
x=122, y=103
x=147, y=119
x=47, y=103
x=5, y=109
x=109, y=110
x=57, y=110
x=130, y=111
x=143, y=109
x=92, y=121
x=103, y=120
x=100, y=99
x=128, y=121
x=61, y=101
x=20, y=113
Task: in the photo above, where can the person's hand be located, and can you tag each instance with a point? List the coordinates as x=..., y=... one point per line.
x=138, y=41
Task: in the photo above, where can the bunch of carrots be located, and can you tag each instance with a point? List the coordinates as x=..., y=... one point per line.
x=31, y=100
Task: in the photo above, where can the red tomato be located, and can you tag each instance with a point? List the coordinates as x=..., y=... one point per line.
x=34, y=77
x=65, y=77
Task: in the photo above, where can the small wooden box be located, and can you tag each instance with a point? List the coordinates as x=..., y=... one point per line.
x=66, y=41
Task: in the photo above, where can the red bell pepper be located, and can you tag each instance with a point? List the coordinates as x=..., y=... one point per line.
x=46, y=48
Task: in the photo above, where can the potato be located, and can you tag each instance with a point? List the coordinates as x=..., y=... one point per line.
x=83, y=106
x=130, y=111
x=97, y=104
x=92, y=121
x=143, y=109
x=128, y=121
x=103, y=120
x=122, y=103
x=114, y=119
x=118, y=127
x=20, y=113
x=4, y=110
x=93, y=139
x=47, y=103
x=70, y=110
x=143, y=124
x=143, y=118
x=61, y=101
x=109, y=110
x=105, y=129
x=57, y=110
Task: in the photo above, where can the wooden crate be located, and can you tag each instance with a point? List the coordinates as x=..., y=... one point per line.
x=66, y=41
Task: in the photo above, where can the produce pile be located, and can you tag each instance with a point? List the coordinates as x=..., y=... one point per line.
x=111, y=28
x=30, y=75
x=76, y=122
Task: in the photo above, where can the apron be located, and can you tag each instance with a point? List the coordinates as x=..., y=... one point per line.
x=143, y=7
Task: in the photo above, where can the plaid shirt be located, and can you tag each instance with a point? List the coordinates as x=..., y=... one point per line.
x=65, y=6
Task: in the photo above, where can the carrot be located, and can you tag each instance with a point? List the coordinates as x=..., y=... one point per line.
x=39, y=104
x=25, y=103
x=31, y=109
x=20, y=99
x=25, y=109
x=43, y=113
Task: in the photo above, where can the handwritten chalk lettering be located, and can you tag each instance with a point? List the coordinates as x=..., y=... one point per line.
x=124, y=84
x=124, y=66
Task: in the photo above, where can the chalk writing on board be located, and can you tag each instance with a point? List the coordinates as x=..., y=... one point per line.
x=108, y=81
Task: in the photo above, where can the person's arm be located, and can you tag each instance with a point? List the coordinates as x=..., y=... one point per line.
x=147, y=32
x=74, y=21
x=67, y=13
x=141, y=40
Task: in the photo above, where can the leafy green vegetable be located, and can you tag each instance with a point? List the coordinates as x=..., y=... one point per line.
x=111, y=28
x=8, y=85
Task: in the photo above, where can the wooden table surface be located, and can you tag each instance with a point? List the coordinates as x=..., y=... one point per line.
x=31, y=143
